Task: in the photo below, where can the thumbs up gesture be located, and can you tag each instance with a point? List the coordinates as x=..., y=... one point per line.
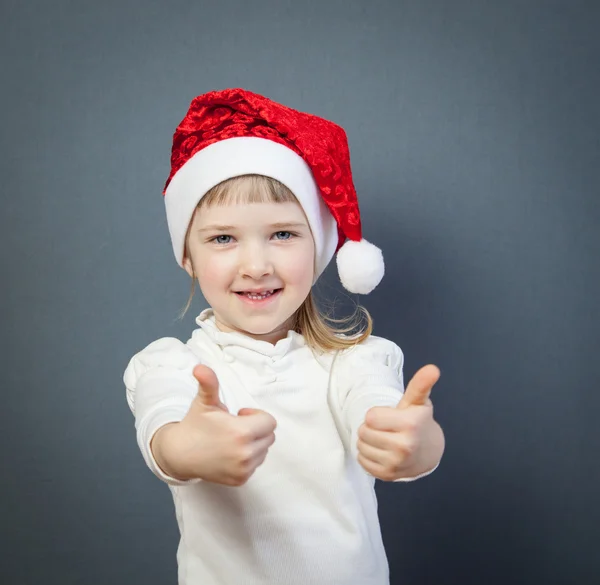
x=212, y=444
x=404, y=441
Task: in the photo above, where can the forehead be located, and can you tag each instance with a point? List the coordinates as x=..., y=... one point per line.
x=250, y=214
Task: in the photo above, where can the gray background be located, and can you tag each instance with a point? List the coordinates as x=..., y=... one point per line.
x=474, y=132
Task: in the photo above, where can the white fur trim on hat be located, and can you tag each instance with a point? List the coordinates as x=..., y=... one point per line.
x=243, y=156
x=360, y=266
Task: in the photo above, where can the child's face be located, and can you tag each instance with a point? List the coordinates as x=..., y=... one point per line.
x=254, y=247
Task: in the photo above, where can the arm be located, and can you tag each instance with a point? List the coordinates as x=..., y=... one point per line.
x=159, y=453
x=184, y=430
x=371, y=389
x=368, y=375
x=160, y=390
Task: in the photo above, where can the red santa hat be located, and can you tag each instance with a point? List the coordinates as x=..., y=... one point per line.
x=235, y=132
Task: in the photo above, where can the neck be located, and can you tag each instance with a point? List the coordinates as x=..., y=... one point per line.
x=271, y=337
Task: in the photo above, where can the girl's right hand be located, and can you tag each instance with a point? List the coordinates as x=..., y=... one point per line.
x=212, y=444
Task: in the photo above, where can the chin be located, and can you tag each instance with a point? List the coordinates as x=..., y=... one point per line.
x=264, y=324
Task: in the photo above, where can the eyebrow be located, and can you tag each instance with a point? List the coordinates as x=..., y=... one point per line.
x=227, y=228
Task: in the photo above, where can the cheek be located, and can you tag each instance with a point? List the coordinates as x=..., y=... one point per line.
x=212, y=271
x=300, y=269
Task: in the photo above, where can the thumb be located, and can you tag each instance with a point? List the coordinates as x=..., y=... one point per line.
x=419, y=388
x=208, y=386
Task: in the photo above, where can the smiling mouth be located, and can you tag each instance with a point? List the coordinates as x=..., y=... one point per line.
x=255, y=296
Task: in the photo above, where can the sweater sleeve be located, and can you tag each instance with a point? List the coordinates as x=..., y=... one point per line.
x=160, y=388
x=370, y=374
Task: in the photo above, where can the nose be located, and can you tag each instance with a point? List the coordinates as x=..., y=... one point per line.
x=255, y=261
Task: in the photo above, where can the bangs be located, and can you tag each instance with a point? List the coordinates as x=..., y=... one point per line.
x=247, y=189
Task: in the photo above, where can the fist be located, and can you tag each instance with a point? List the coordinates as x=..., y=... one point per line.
x=212, y=444
x=405, y=441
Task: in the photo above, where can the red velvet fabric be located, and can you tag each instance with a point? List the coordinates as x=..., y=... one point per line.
x=231, y=113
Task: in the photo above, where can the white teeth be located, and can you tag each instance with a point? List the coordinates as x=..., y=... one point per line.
x=259, y=296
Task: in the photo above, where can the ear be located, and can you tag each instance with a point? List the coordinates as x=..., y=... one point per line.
x=187, y=265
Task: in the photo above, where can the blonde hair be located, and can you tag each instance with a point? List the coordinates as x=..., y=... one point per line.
x=319, y=330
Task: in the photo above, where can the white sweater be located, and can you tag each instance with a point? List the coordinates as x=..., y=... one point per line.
x=308, y=515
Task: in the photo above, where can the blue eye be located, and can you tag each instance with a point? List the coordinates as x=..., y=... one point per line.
x=283, y=235
x=222, y=239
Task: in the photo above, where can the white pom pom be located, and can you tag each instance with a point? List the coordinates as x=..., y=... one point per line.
x=360, y=266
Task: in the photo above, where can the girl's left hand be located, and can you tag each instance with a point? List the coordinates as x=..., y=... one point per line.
x=405, y=441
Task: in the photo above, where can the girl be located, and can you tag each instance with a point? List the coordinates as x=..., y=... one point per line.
x=269, y=424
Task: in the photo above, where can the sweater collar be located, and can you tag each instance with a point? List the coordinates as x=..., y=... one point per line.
x=206, y=320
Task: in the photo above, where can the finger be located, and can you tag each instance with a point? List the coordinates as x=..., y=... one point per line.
x=375, y=438
x=373, y=454
x=248, y=411
x=395, y=420
x=419, y=388
x=261, y=455
x=257, y=423
x=208, y=386
x=261, y=446
x=374, y=469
